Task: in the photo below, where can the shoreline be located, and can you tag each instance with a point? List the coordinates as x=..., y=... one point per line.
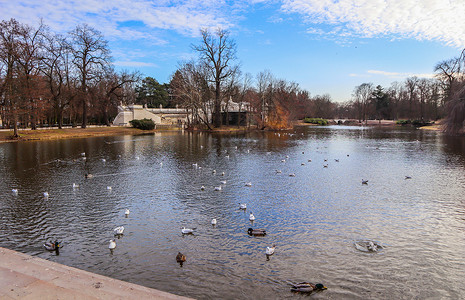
x=29, y=277
x=6, y=135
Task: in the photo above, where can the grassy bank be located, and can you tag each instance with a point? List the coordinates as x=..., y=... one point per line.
x=51, y=134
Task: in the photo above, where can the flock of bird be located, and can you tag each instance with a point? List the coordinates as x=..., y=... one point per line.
x=305, y=287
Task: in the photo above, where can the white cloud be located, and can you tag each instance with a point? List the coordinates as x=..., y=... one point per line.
x=399, y=75
x=440, y=20
x=185, y=17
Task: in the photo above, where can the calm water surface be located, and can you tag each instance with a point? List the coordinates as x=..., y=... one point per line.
x=313, y=218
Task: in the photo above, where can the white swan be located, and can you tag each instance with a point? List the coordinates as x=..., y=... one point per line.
x=251, y=217
x=270, y=250
x=185, y=230
x=119, y=230
x=112, y=245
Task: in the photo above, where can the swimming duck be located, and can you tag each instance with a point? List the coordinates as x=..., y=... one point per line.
x=180, y=258
x=364, y=181
x=259, y=232
x=242, y=206
x=292, y=175
x=408, y=177
x=307, y=287
x=112, y=245
x=309, y=160
x=119, y=230
x=185, y=230
x=89, y=175
x=53, y=246
x=251, y=217
x=278, y=172
x=213, y=221
x=223, y=181
x=126, y=212
x=325, y=166
x=368, y=246
x=222, y=173
x=249, y=184
x=217, y=188
x=202, y=188
x=270, y=250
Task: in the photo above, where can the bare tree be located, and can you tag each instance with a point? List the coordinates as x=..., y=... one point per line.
x=91, y=56
x=217, y=51
x=362, y=95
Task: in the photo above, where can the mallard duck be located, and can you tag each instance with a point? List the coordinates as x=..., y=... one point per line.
x=307, y=287
x=112, y=245
x=242, y=206
x=270, y=250
x=52, y=246
x=185, y=230
x=251, y=231
x=119, y=230
x=251, y=217
x=180, y=258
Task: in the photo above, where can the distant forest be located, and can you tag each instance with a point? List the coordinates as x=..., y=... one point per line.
x=51, y=79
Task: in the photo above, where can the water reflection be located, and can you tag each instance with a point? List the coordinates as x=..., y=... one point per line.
x=314, y=217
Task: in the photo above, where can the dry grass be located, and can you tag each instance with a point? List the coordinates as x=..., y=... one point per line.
x=51, y=134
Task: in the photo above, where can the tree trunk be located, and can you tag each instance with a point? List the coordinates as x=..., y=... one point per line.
x=217, y=113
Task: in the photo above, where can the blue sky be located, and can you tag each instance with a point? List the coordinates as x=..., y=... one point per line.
x=326, y=46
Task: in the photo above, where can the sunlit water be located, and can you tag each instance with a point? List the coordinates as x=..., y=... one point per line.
x=313, y=218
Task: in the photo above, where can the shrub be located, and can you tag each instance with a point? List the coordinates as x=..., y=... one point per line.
x=318, y=121
x=144, y=124
x=403, y=122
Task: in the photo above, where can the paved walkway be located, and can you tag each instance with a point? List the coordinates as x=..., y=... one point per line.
x=27, y=277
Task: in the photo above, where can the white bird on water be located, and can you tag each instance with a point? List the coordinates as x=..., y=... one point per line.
x=223, y=181
x=251, y=217
x=46, y=194
x=213, y=221
x=248, y=184
x=126, y=212
x=242, y=206
x=75, y=186
x=185, y=230
x=217, y=188
x=112, y=245
x=119, y=230
x=15, y=192
x=202, y=188
x=270, y=250
x=109, y=188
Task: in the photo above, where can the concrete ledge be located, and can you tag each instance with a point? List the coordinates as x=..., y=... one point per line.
x=26, y=277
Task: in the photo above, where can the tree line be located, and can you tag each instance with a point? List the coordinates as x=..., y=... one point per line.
x=50, y=78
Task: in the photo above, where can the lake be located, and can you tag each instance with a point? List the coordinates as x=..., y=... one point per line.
x=314, y=218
